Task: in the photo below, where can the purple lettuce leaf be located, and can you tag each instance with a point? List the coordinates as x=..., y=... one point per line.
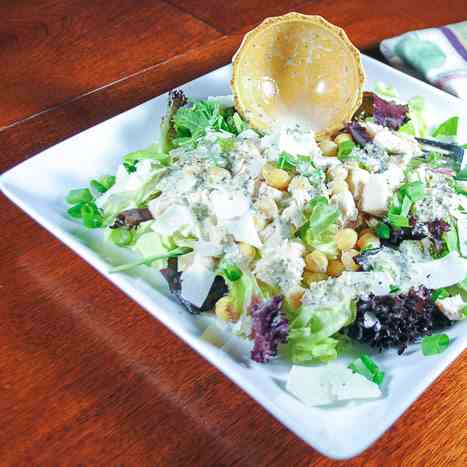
x=173, y=278
x=437, y=229
x=270, y=328
x=359, y=133
x=389, y=114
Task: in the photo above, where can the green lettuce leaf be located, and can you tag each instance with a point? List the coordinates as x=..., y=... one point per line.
x=320, y=229
x=417, y=124
x=447, y=128
x=243, y=291
x=191, y=123
x=312, y=333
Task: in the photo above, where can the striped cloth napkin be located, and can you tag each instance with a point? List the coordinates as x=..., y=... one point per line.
x=437, y=55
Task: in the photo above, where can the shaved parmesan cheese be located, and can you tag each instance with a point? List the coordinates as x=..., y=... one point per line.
x=204, y=248
x=185, y=261
x=452, y=307
x=375, y=195
x=440, y=273
x=243, y=230
x=172, y=219
x=228, y=205
x=197, y=280
x=298, y=143
x=327, y=384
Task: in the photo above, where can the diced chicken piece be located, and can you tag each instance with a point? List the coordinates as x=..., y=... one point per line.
x=357, y=180
x=299, y=182
x=345, y=202
x=394, y=176
x=293, y=214
x=395, y=143
x=158, y=205
x=375, y=196
x=267, y=207
x=269, y=192
x=299, y=188
x=452, y=307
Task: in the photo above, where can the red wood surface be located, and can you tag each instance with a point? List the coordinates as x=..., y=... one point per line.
x=86, y=376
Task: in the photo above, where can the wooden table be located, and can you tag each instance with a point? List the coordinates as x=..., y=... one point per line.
x=86, y=376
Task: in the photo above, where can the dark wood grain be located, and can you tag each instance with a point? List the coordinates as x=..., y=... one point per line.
x=86, y=376
x=367, y=22
x=53, y=51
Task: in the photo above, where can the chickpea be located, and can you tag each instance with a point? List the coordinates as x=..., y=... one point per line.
x=368, y=240
x=316, y=261
x=275, y=177
x=335, y=268
x=346, y=239
x=338, y=186
x=347, y=259
x=247, y=250
x=225, y=310
x=342, y=137
x=312, y=277
x=328, y=148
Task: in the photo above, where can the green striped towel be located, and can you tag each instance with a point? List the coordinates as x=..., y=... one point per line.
x=437, y=55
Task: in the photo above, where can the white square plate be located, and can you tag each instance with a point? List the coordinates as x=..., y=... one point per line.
x=40, y=184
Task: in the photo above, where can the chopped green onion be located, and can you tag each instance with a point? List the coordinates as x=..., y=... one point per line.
x=383, y=231
x=439, y=294
x=344, y=149
x=433, y=345
x=130, y=166
x=394, y=289
x=150, y=259
x=103, y=184
x=464, y=310
x=82, y=195
x=75, y=211
x=232, y=272
x=286, y=162
x=92, y=218
x=121, y=237
x=398, y=220
x=406, y=205
x=366, y=367
x=98, y=186
x=459, y=190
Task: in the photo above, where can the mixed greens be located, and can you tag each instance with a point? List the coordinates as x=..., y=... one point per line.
x=297, y=245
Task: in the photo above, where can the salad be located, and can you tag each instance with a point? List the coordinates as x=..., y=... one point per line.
x=297, y=245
